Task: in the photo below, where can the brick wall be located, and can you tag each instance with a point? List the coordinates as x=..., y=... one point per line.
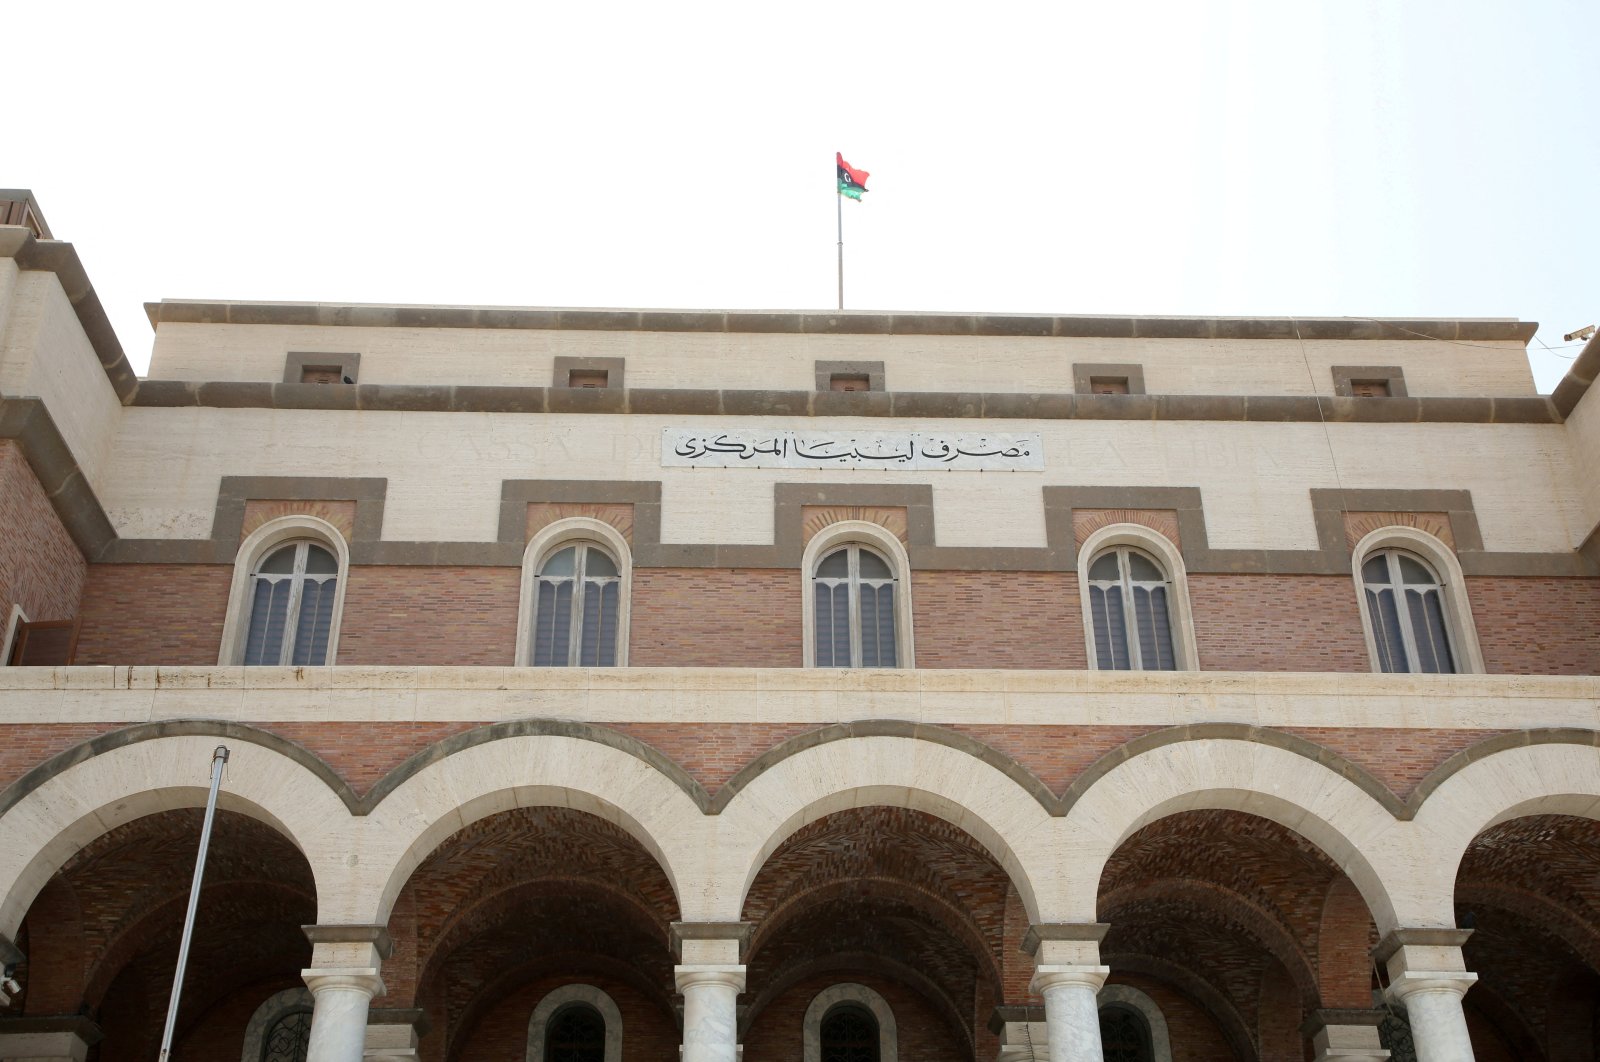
x=1537, y=626
x=1277, y=623
x=40, y=567
x=998, y=619
x=1195, y=1034
x=154, y=614
x=710, y=617
x=649, y=1033
x=426, y=615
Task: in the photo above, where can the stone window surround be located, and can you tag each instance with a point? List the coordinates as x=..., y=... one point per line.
x=1084, y=372
x=565, y=366
x=881, y=541
x=1133, y=999
x=268, y=1014
x=560, y=534
x=1161, y=549
x=576, y=993
x=861, y=995
x=262, y=540
x=1344, y=377
x=872, y=370
x=1457, y=606
x=295, y=364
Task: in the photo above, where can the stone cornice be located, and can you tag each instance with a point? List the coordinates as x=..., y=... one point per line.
x=841, y=322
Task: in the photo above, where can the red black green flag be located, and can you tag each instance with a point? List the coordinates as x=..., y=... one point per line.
x=852, y=182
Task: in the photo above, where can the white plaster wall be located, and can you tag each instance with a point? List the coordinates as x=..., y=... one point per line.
x=1583, y=436
x=525, y=357
x=445, y=470
x=45, y=354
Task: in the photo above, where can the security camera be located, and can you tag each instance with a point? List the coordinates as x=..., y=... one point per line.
x=1583, y=333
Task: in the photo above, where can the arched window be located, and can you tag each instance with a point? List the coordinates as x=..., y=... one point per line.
x=575, y=582
x=1124, y=1035
x=577, y=1033
x=292, y=594
x=1414, y=606
x=577, y=600
x=1130, y=602
x=1405, y=601
x=288, y=1038
x=287, y=594
x=849, y=1034
x=848, y=1022
x=855, y=610
x=575, y=1023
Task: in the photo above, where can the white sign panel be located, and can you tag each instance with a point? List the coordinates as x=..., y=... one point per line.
x=918, y=451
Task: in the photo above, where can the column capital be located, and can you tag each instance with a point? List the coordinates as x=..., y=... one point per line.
x=728, y=975
x=1412, y=982
x=363, y=979
x=1060, y=976
x=681, y=933
x=1345, y=1035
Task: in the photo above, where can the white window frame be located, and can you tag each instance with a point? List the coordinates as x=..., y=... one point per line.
x=887, y=546
x=550, y=540
x=13, y=623
x=1459, y=625
x=260, y=542
x=861, y=996
x=1161, y=550
x=1133, y=999
x=539, y=1024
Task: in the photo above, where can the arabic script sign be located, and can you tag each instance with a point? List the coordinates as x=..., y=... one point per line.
x=746, y=448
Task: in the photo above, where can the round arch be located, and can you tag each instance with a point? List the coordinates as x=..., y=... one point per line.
x=903, y=772
x=546, y=541
x=1333, y=813
x=255, y=547
x=55, y=818
x=1545, y=779
x=526, y=771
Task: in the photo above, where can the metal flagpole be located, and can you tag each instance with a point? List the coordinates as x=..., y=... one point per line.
x=840, y=204
x=218, y=758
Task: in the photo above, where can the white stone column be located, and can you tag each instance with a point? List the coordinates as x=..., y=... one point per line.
x=710, y=974
x=1068, y=974
x=1428, y=976
x=343, y=978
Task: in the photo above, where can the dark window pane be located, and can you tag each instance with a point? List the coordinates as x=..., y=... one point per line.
x=1124, y=1036
x=849, y=1034
x=1105, y=568
x=836, y=565
x=576, y=1034
x=268, y=614
x=872, y=566
x=320, y=562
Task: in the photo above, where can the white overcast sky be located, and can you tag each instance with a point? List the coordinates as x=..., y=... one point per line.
x=1399, y=158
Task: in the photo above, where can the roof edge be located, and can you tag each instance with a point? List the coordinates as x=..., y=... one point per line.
x=837, y=322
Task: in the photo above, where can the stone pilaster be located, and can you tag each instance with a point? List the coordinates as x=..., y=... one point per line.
x=710, y=974
x=1428, y=976
x=1344, y=1035
x=344, y=976
x=1068, y=974
x=48, y=1039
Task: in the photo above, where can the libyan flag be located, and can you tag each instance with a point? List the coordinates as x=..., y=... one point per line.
x=852, y=182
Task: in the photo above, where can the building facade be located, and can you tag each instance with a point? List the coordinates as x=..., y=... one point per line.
x=607, y=685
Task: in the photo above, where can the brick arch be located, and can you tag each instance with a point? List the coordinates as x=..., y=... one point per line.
x=74, y=798
x=1224, y=908
x=815, y=780
x=1235, y=1029
x=1340, y=818
x=1561, y=922
x=477, y=779
x=1549, y=777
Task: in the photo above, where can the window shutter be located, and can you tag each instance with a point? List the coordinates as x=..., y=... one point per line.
x=1386, y=630
x=1427, y=627
x=316, y=620
x=552, y=632
x=1110, y=628
x=833, y=625
x=268, y=615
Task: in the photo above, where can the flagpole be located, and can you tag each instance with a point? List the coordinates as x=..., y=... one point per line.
x=218, y=758
x=840, y=204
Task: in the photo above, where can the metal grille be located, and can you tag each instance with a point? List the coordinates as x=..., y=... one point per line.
x=1394, y=1032
x=288, y=1038
x=1124, y=1037
x=849, y=1034
x=576, y=1034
